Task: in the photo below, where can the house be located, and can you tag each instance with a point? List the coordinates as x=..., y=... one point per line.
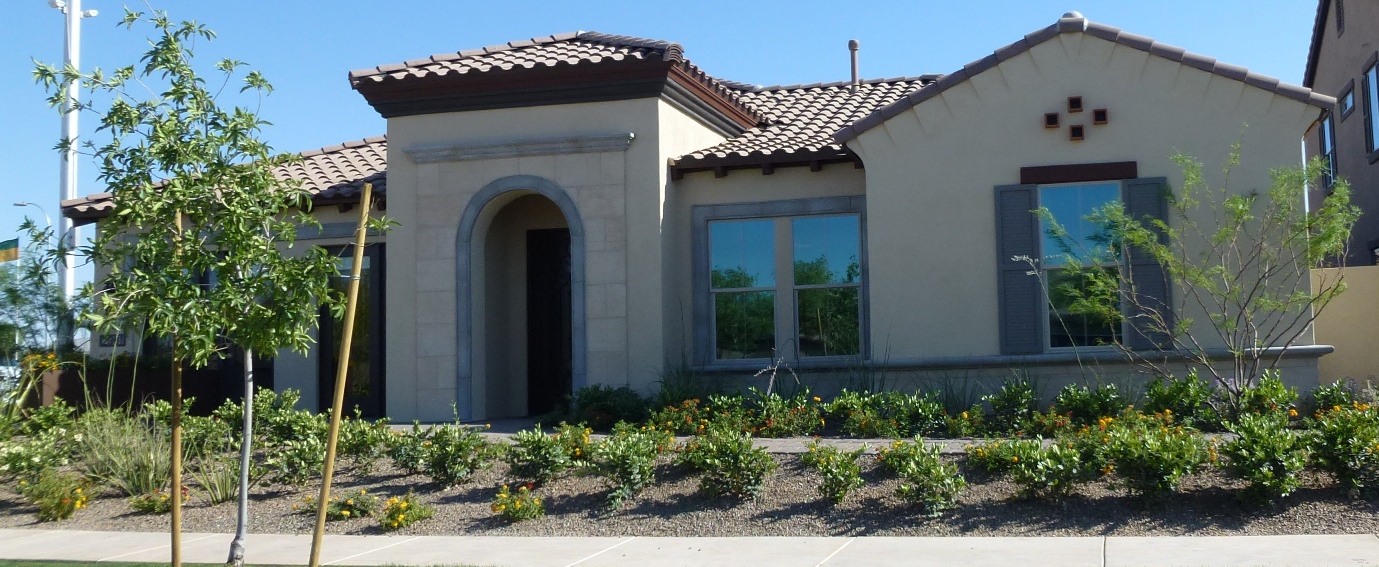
x=586, y=208
x=1342, y=63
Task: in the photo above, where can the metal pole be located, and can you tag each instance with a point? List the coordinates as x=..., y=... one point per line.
x=341, y=371
x=67, y=233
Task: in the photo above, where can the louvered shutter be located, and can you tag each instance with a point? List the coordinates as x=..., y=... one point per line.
x=1147, y=199
x=1019, y=301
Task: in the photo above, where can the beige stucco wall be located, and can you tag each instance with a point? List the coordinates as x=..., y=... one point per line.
x=620, y=199
x=1348, y=323
x=930, y=171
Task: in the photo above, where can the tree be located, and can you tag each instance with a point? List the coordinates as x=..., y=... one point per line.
x=31, y=303
x=1243, y=259
x=197, y=243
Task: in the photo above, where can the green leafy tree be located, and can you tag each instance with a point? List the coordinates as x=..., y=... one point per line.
x=198, y=243
x=1242, y=258
x=32, y=307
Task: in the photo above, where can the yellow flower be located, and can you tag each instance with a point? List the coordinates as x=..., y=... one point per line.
x=349, y=502
x=964, y=415
x=402, y=506
x=394, y=524
x=345, y=513
x=817, y=399
x=1292, y=412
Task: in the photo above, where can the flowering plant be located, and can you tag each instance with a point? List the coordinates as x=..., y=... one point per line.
x=156, y=502
x=517, y=506
x=350, y=505
x=401, y=512
x=57, y=495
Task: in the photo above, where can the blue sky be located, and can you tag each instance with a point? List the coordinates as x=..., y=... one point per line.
x=307, y=47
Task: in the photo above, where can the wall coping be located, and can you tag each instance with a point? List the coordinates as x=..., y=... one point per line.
x=491, y=149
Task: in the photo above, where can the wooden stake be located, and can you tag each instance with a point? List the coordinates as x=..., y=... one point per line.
x=341, y=372
x=176, y=468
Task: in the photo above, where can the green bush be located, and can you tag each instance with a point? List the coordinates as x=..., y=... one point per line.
x=411, y=450
x=537, y=457
x=57, y=415
x=627, y=462
x=786, y=417
x=26, y=457
x=731, y=464
x=364, y=441
x=457, y=452
x=156, y=502
x=1270, y=395
x=217, y=474
x=887, y=414
x=838, y=469
x=1187, y=399
x=1151, y=454
x=1051, y=471
x=1268, y=454
x=1347, y=445
x=693, y=416
x=1085, y=405
x=600, y=407
x=399, y=513
x=1340, y=393
x=575, y=440
x=1012, y=406
x=350, y=505
x=926, y=481
x=127, y=453
x=517, y=506
x=57, y=495
x=997, y=457
x=969, y=423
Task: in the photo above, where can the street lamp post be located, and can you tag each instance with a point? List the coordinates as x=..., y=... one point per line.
x=41, y=210
x=67, y=233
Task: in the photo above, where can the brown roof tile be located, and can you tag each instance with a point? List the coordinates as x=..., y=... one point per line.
x=332, y=174
x=800, y=120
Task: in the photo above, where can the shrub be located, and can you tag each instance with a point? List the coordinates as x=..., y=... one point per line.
x=575, y=440
x=693, y=417
x=1268, y=454
x=156, y=502
x=457, y=452
x=58, y=495
x=997, y=457
x=926, y=481
x=968, y=423
x=602, y=406
x=1050, y=471
x=364, y=441
x=128, y=454
x=399, y=513
x=1085, y=405
x=839, y=470
x=787, y=417
x=57, y=415
x=731, y=464
x=1340, y=393
x=1270, y=395
x=411, y=450
x=887, y=414
x=517, y=506
x=354, y=504
x=626, y=460
x=1151, y=455
x=295, y=462
x=1012, y=405
x=25, y=458
x=1347, y=445
x=217, y=474
x=536, y=456
x=1188, y=399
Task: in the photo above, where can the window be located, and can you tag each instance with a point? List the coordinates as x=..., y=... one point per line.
x=1346, y=102
x=1327, y=133
x=1340, y=17
x=1073, y=237
x=779, y=279
x=1372, y=109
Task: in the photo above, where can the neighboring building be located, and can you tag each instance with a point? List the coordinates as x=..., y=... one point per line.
x=1343, y=63
x=588, y=209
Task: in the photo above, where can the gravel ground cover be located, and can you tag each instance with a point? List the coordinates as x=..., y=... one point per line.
x=789, y=506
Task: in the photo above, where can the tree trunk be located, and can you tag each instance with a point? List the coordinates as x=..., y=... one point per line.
x=245, y=453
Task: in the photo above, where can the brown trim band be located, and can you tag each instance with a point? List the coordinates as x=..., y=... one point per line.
x=1078, y=172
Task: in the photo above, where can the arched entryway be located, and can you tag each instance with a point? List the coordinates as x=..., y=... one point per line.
x=520, y=276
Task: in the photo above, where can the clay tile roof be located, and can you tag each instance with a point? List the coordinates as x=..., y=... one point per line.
x=332, y=174
x=1075, y=23
x=576, y=48
x=800, y=120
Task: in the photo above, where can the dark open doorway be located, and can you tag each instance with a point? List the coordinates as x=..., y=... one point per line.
x=549, y=350
x=364, y=378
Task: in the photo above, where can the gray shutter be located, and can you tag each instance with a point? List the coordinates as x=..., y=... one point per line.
x=1020, y=299
x=1145, y=199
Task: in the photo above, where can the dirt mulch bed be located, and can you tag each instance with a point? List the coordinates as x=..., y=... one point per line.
x=789, y=506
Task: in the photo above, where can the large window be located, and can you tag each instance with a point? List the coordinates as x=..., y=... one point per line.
x=782, y=285
x=1327, y=133
x=1372, y=109
x=1074, y=237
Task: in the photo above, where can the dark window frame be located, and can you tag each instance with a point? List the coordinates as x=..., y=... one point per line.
x=1348, y=92
x=1370, y=99
x=1340, y=17
x=1326, y=138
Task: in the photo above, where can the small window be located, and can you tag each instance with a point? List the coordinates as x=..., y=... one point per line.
x=1100, y=116
x=1340, y=17
x=1074, y=104
x=1327, y=142
x=1051, y=120
x=1372, y=109
x=1076, y=132
x=1345, y=103
x=1075, y=237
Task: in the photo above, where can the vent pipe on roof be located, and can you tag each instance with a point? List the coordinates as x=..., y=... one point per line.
x=856, y=78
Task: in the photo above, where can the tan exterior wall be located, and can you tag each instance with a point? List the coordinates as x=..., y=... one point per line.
x=1341, y=60
x=1348, y=324
x=930, y=171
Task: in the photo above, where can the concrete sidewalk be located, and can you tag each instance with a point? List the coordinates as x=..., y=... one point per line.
x=269, y=549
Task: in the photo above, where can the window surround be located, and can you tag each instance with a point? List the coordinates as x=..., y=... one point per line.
x=1370, y=100
x=1340, y=18
x=1347, y=92
x=786, y=326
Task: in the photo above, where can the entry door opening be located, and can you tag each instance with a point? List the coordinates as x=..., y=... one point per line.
x=364, y=379
x=549, y=348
